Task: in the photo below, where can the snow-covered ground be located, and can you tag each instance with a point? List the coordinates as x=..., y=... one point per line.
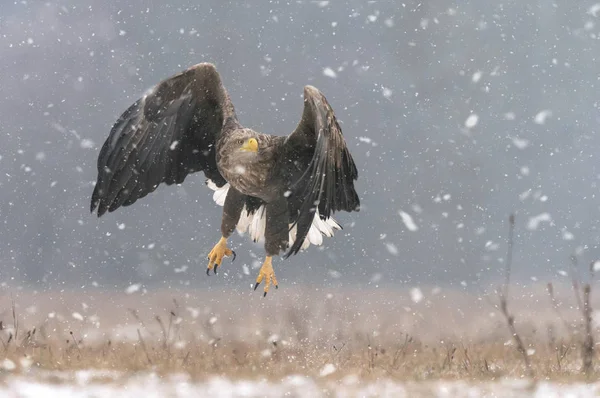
x=112, y=384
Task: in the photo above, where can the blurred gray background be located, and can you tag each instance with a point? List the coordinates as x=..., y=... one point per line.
x=457, y=113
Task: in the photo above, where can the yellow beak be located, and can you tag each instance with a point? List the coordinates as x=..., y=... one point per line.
x=250, y=145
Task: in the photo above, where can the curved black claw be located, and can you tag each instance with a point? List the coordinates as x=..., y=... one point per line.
x=256, y=285
x=233, y=259
x=215, y=269
x=208, y=271
x=276, y=286
x=265, y=294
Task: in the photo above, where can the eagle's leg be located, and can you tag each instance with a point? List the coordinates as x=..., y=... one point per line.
x=232, y=209
x=276, y=240
x=267, y=274
x=216, y=255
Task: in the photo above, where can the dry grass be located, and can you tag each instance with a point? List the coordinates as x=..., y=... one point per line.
x=371, y=334
x=410, y=361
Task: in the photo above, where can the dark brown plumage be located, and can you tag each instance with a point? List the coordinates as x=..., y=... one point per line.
x=276, y=187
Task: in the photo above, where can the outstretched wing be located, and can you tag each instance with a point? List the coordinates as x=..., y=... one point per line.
x=319, y=169
x=167, y=134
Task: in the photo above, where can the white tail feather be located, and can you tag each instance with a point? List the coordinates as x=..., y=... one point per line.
x=259, y=222
x=255, y=223
x=245, y=221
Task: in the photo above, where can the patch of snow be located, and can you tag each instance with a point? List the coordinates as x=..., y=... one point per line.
x=108, y=384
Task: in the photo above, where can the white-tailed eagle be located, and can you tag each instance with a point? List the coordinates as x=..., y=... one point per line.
x=282, y=189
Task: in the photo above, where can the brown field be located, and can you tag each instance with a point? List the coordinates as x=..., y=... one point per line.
x=368, y=333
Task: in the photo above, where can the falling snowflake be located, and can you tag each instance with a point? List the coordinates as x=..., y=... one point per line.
x=77, y=315
x=520, y=143
x=391, y=248
x=534, y=222
x=416, y=295
x=387, y=93
x=9, y=365
x=408, y=221
x=329, y=73
x=541, y=117
x=594, y=10
x=327, y=370
x=194, y=312
x=471, y=121
x=133, y=288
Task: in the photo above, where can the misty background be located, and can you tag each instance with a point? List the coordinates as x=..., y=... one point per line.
x=456, y=112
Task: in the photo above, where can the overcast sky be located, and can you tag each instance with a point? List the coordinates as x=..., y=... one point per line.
x=456, y=113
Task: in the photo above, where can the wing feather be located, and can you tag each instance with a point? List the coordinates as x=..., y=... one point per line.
x=319, y=169
x=167, y=134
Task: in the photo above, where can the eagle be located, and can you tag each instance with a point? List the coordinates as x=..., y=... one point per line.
x=283, y=189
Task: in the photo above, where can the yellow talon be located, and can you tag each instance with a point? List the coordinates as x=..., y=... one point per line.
x=216, y=255
x=266, y=272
